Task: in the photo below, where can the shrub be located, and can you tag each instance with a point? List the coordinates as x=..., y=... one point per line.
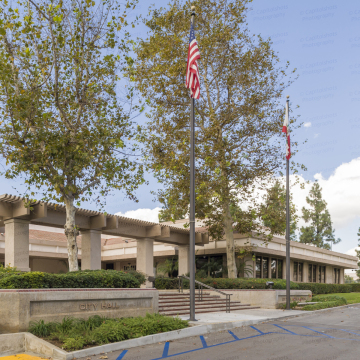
x=138, y=275
x=325, y=302
x=74, y=344
x=76, y=279
x=74, y=334
x=253, y=283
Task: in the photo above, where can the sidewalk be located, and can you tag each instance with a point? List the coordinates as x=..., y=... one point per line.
x=258, y=315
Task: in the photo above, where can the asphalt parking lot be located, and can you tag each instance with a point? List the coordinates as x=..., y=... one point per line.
x=327, y=335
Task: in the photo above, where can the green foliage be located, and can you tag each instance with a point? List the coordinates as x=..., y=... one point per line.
x=325, y=302
x=76, y=279
x=169, y=267
x=138, y=275
x=7, y=270
x=238, y=116
x=63, y=125
x=251, y=283
x=39, y=328
x=320, y=232
x=293, y=304
x=273, y=211
x=71, y=344
x=96, y=330
x=358, y=254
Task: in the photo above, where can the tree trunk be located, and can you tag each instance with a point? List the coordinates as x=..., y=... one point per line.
x=230, y=247
x=71, y=232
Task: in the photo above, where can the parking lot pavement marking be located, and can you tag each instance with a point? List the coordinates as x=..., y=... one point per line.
x=233, y=335
x=203, y=341
x=319, y=332
x=282, y=328
x=21, y=357
x=121, y=356
x=166, y=355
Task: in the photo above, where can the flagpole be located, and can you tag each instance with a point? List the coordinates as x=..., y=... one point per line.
x=287, y=219
x=192, y=198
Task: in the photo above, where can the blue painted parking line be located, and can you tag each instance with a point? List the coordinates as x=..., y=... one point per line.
x=205, y=346
x=319, y=332
x=233, y=335
x=166, y=350
x=122, y=355
x=282, y=328
x=203, y=341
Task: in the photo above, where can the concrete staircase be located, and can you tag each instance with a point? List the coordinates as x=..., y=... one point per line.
x=174, y=303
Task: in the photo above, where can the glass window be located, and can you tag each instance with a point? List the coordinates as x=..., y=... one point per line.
x=337, y=276
x=279, y=269
x=310, y=272
x=265, y=268
x=314, y=273
x=296, y=264
x=258, y=267
x=321, y=274
x=273, y=268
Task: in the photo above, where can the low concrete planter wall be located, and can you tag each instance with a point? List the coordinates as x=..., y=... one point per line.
x=266, y=298
x=19, y=307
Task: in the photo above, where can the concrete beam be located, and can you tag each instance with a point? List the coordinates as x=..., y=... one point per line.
x=111, y=223
x=38, y=211
x=98, y=221
x=19, y=209
x=152, y=231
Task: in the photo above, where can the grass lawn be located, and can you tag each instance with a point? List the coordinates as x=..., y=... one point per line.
x=352, y=298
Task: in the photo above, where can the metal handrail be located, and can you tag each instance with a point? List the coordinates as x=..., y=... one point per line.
x=201, y=285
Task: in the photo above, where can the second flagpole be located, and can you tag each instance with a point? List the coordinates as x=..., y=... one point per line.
x=287, y=218
x=192, y=198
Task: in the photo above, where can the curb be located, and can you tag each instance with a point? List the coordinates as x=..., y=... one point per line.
x=60, y=354
x=42, y=347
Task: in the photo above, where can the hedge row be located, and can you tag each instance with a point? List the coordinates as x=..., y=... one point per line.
x=325, y=302
x=76, y=279
x=250, y=283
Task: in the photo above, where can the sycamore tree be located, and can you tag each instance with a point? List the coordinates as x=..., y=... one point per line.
x=273, y=211
x=319, y=232
x=63, y=126
x=238, y=117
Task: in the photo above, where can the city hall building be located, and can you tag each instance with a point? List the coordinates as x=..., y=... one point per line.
x=32, y=239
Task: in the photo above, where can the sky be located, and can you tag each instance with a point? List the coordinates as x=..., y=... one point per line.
x=322, y=40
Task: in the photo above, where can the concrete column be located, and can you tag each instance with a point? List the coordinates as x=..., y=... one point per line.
x=342, y=276
x=291, y=270
x=145, y=259
x=91, y=250
x=305, y=272
x=329, y=278
x=17, y=244
x=249, y=265
x=183, y=259
x=117, y=266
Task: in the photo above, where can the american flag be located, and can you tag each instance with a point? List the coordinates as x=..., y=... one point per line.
x=285, y=130
x=192, y=72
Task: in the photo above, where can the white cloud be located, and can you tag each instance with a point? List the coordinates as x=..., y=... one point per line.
x=307, y=125
x=151, y=215
x=341, y=191
x=352, y=252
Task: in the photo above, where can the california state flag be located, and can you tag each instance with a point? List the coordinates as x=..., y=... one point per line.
x=285, y=129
